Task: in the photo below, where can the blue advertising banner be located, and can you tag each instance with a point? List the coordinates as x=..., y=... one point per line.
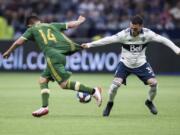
x=100, y=59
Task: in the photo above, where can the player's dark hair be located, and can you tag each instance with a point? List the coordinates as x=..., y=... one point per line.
x=31, y=19
x=137, y=19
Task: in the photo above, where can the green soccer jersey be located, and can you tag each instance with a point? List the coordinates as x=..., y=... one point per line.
x=50, y=37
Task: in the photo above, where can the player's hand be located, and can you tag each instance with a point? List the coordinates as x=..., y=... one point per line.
x=84, y=45
x=81, y=19
x=178, y=52
x=6, y=55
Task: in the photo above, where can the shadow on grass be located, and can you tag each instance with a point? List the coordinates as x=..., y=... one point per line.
x=113, y=116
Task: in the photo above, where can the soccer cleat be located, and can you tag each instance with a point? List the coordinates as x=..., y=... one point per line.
x=40, y=112
x=151, y=107
x=97, y=95
x=108, y=108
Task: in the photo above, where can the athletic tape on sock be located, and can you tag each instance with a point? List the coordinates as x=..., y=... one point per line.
x=77, y=85
x=45, y=91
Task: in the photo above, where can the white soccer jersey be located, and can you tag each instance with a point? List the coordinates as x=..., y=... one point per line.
x=133, y=48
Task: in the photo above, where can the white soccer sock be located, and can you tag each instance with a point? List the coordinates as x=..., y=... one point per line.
x=112, y=92
x=152, y=92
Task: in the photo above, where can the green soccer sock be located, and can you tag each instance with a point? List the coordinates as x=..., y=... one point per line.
x=44, y=94
x=45, y=97
x=77, y=86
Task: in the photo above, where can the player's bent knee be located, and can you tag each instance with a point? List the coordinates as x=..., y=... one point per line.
x=63, y=84
x=117, y=81
x=152, y=82
x=43, y=80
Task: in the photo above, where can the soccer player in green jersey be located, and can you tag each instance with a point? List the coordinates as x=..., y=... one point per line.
x=55, y=46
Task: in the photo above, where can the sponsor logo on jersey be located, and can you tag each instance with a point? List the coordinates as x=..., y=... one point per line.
x=136, y=48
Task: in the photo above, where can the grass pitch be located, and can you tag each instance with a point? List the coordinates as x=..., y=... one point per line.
x=20, y=95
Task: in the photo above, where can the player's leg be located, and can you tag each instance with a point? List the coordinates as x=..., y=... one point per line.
x=62, y=76
x=43, y=82
x=120, y=77
x=45, y=92
x=152, y=82
x=77, y=86
x=112, y=93
x=146, y=74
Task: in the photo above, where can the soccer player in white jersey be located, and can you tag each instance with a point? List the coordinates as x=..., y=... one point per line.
x=133, y=60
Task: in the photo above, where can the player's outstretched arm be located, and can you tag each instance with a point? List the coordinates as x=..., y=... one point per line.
x=104, y=41
x=117, y=38
x=74, y=24
x=17, y=43
x=167, y=42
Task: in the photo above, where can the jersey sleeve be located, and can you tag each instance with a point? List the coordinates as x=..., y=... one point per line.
x=117, y=38
x=27, y=35
x=60, y=26
x=163, y=40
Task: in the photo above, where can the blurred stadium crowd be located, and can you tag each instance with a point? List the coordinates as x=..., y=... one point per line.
x=102, y=15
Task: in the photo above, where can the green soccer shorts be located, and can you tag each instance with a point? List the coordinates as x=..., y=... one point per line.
x=55, y=69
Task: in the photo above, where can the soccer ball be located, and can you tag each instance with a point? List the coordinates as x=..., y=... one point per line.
x=83, y=97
